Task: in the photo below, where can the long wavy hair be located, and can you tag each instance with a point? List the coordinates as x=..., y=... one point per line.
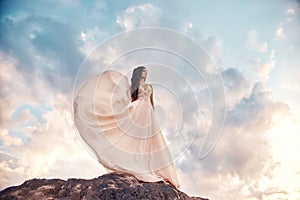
x=135, y=82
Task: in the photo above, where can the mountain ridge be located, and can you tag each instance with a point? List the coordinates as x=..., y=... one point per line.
x=109, y=186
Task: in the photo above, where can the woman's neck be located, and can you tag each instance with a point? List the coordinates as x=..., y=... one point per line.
x=142, y=81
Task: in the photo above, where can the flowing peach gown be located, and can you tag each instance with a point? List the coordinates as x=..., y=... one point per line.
x=124, y=135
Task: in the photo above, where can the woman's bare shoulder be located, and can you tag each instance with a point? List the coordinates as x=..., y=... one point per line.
x=151, y=88
x=149, y=85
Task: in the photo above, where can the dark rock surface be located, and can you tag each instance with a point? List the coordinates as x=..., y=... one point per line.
x=112, y=186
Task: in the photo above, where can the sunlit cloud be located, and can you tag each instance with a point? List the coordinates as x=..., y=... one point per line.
x=48, y=147
x=292, y=87
x=256, y=156
x=9, y=140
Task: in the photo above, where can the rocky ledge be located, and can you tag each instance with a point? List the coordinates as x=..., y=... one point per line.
x=112, y=186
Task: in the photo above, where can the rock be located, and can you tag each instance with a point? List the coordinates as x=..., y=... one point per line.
x=112, y=186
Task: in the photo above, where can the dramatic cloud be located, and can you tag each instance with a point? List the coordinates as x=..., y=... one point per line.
x=46, y=46
x=48, y=148
x=17, y=90
x=242, y=156
x=43, y=45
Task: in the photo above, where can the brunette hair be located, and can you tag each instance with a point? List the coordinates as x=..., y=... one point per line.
x=135, y=82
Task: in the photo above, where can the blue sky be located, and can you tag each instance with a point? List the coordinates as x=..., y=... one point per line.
x=255, y=46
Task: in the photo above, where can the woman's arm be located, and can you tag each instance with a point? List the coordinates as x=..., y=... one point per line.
x=151, y=97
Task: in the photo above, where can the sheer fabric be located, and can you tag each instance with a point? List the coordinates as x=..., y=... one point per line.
x=124, y=135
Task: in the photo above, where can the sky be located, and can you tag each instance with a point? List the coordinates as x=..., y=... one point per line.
x=225, y=77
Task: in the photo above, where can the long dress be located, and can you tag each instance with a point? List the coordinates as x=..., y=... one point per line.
x=124, y=135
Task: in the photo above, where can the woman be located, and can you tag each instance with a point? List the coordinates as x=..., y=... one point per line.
x=118, y=124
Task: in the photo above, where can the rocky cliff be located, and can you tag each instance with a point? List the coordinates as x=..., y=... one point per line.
x=112, y=186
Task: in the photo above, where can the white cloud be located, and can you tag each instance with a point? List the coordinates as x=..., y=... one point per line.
x=51, y=148
x=285, y=148
x=272, y=54
x=213, y=46
x=15, y=91
x=280, y=32
x=236, y=86
x=9, y=140
x=254, y=44
x=186, y=27
x=45, y=47
x=289, y=28
x=290, y=11
x=55, y=146
x=262, y=68
x=291, y=87
x=145, y=15
x=91, y=38
x=240, y=167
x=242, y=159
x=83, y=36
